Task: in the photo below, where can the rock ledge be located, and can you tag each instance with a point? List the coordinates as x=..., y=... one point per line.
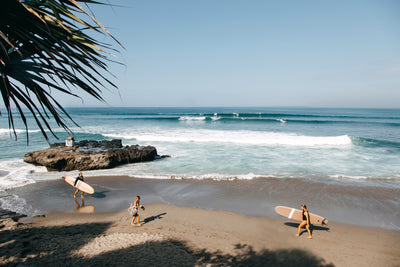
x=90, y=155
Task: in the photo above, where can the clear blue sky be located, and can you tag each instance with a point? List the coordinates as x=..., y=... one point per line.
x=254, y=53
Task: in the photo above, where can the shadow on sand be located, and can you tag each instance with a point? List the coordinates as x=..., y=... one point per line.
x=57, y=246
x=101, y=194
x=312, y=228
x=152, y=218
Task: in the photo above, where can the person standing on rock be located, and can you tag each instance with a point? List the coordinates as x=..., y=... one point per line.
x=79, y=178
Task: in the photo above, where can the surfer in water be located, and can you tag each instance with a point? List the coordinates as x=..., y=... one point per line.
x=80, y=177
x=136, y=205
x=305, y=222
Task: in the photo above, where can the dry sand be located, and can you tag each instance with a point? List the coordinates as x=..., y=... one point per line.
x=177, y=236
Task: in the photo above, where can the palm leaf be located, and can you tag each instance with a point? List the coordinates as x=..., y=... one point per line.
x=49, y=49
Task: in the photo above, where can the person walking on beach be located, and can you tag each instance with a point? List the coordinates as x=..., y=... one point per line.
x=79, y=178
x=134, y=209
x=305, y=222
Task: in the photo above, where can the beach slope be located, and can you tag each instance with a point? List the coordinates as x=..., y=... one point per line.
x=178, y=236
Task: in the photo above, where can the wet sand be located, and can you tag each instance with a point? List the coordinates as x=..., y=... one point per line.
x=179, y=236
x=346, y=203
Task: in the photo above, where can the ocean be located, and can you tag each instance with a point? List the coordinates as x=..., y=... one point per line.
x=344, y=162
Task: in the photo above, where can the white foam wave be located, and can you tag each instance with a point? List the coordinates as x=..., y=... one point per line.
x=237, y=137
x=7, y=131
x=353, y=177
x=224, y=177
x=155, y=176
x=124, y=136
x=17, y=173
x=359, y=177
x=192, y=118
x=212, y=176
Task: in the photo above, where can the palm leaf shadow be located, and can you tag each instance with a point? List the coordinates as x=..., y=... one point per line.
x=54, y=246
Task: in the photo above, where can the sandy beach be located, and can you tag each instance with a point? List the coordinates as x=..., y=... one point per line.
x=179, y=236
x=217, y=115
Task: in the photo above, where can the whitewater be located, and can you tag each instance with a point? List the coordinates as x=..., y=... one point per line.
x=316, y=147
x=332, y=145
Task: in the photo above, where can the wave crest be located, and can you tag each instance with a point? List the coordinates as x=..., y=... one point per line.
x=238, y=137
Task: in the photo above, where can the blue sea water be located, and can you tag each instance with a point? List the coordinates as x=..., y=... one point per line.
x=244, y=143
x=354, y=147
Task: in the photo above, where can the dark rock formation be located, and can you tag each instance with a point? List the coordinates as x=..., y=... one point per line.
x=9, y=220
x=7, y=214
x=90, y=155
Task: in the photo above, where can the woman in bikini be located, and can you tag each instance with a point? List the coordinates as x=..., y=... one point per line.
x=305, y=222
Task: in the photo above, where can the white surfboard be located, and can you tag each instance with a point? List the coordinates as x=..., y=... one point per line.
x=297, y=215
x=84, y=187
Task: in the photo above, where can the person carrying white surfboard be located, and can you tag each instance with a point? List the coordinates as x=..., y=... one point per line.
x=305, y=222
x=80, y=177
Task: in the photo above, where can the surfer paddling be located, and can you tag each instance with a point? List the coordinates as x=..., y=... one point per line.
x=134, y=209
x=79, y=178
x=305, y=222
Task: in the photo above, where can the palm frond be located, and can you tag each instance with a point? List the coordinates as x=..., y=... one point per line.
x=44, y=46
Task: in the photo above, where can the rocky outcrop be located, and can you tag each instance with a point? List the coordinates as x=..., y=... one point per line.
x=9, y=220
x=90, y=155
x=8, y=214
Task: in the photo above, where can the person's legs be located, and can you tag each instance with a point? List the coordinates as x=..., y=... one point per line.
x=76, y=192
x=134, y=216
x=138, y=220
x=309, y=232
x=303, y=223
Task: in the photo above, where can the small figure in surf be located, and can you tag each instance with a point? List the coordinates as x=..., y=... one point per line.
x=305, y=222
x=134, y=210
x=79, y=178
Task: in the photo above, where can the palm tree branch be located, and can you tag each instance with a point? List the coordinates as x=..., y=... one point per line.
x=47, y=48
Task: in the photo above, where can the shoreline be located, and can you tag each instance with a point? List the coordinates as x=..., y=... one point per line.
x=182, y=236
x=365, y=206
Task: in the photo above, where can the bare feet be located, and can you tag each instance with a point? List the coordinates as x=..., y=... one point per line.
x=139, y=225
x=310, y=237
